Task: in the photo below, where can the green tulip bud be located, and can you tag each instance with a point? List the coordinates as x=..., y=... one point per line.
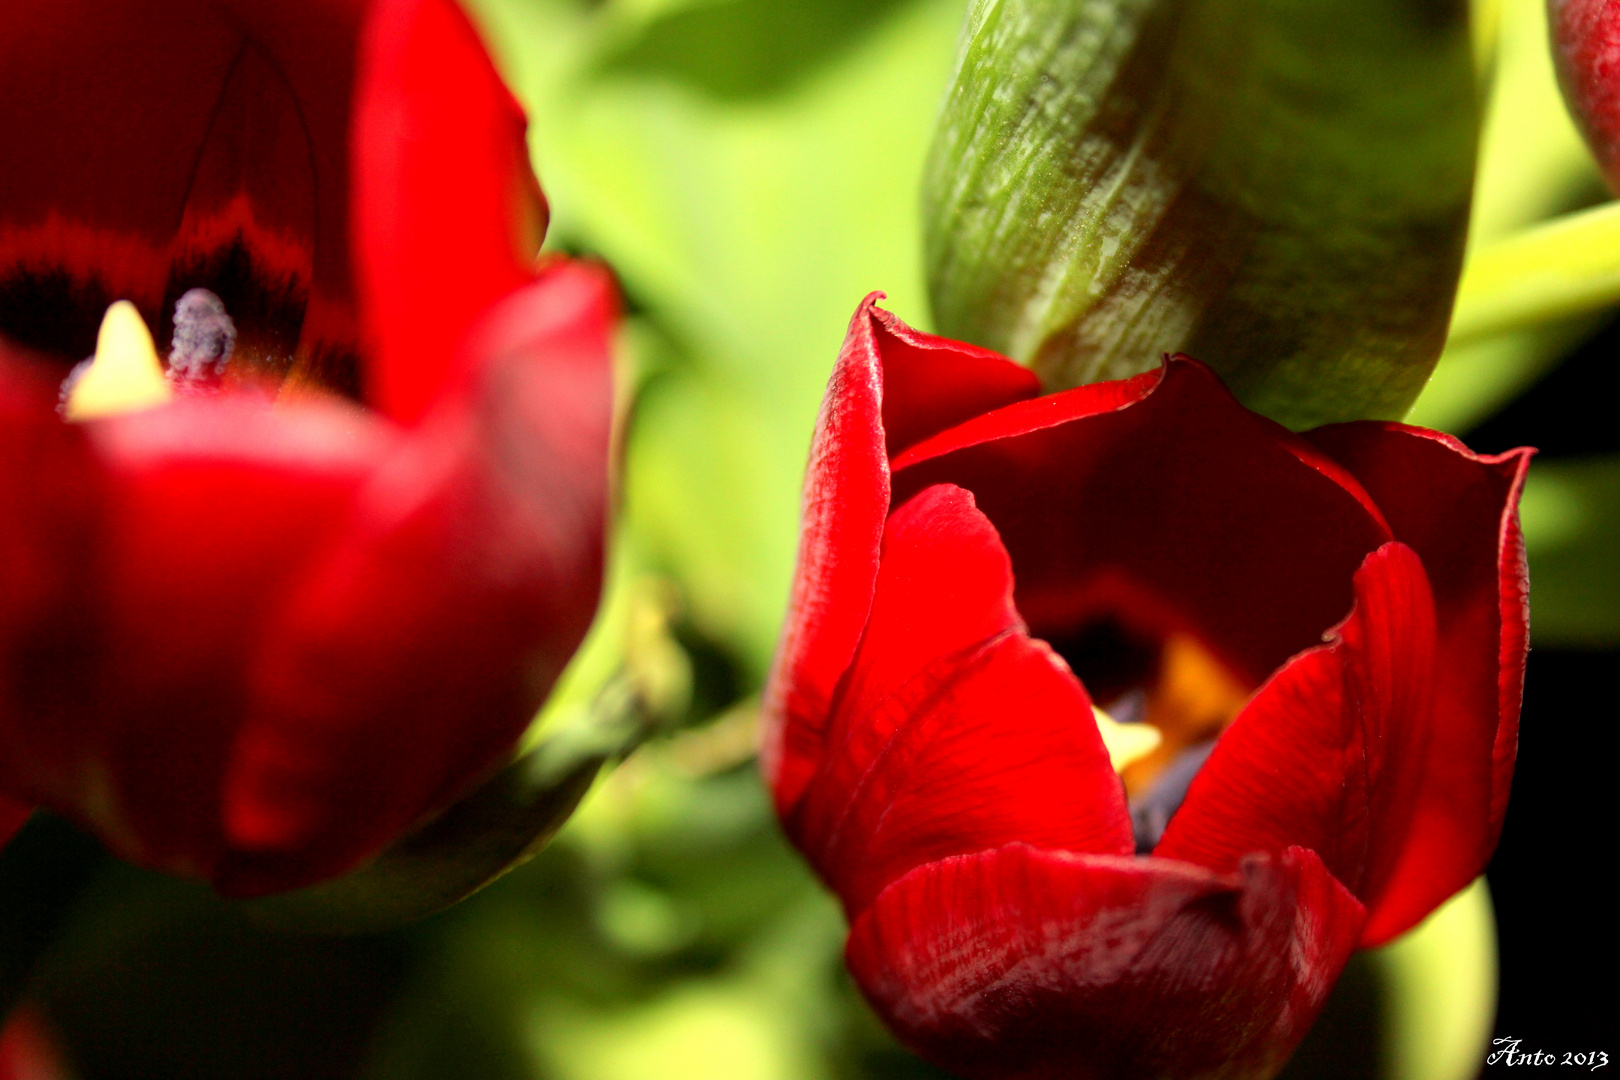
x=1278, y=187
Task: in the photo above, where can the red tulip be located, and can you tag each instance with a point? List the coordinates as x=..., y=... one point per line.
x=968, y=545
x=255, y=642
x=1586, y=52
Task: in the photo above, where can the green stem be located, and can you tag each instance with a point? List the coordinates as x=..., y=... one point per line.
x=1561, y=268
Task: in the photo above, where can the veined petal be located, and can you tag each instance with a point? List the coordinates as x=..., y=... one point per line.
x=1330, y=753
x=953, y=731
x=1459, y=512
x=846, y=498
x=893, y=386
x=1164, y=487
x=1034, y=964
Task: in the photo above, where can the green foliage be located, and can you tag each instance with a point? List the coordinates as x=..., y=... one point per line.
x=745, y=227
x=1571, y=516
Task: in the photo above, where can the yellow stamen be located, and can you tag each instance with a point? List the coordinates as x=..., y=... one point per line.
x=1126, y=743
x=1192, y=701
x=126, y=374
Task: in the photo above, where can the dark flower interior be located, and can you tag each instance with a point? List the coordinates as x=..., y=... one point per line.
x=1137, y=558
x=155, y=146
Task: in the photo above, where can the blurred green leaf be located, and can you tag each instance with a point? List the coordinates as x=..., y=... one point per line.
x=745, y=229
x=1279, y=187
x=492, y=829
x=746, y=48
x=1561, y=268
x=1571, y=516
x=1533, y=165
x=1441, y=980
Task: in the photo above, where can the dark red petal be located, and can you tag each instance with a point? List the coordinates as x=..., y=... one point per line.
x=410, y=659
x=151, y=143
x=1330, y=754
x=449, y=213
x=1024, y=964
x=846, y=498
x=954, y=731
x=107, y=107
x=1459, y=512
x=933, y=383
x=1163, y=494
x=51, y=497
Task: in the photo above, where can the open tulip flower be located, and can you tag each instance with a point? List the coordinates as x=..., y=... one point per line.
x=1307, y=655
x=267, y=608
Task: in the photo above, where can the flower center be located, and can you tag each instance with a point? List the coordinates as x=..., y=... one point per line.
x=125, y=374
x=1162, y=705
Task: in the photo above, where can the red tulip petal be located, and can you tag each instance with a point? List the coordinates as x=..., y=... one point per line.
x=944, y=588
x=1024, y=964
x=51, y=498
x=1459, y=512
x=893, y=385
x=932, y=383
x=1329, y=755
x=414, y=655
x=449, y=213
x=953, y=731
x=215, y=509
x=846, y=497
x=1166, y=488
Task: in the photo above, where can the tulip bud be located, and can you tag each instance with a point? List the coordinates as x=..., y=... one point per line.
x=1277, y=187
x=1586, y=50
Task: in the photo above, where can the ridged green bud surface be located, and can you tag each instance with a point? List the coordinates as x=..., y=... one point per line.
x=1279, y=188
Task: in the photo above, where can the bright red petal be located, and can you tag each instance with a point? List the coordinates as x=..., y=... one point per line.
x=944, y=588
x=449, y=213
x=1459, y=512
x=1166, y=488
x=409, y=660
x=933, y=383
x=1330, y=754
x=846, y=498
x=1025, y=964
x=893, y=386
x=214, y=511
x=954, y=731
